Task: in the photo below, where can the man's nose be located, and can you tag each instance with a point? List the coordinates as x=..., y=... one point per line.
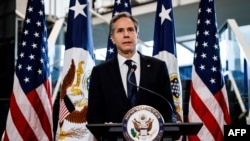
x=126, y=33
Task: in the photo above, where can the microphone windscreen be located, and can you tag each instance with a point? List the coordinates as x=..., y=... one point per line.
x=134, y=67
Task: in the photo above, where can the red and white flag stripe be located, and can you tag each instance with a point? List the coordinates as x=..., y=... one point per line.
x=208, y=109
x=23, y=117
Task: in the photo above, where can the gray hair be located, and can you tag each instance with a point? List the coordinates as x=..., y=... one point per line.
x=121, y=15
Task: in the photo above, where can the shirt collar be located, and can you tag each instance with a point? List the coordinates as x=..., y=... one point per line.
x=122, y=59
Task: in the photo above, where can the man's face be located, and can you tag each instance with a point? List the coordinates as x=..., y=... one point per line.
x=124, y=36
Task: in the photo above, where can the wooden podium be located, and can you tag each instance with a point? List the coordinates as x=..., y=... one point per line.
x=172, y=131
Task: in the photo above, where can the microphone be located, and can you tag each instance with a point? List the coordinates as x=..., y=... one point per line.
x=133, y=68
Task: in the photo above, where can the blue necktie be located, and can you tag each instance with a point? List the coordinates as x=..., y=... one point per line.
x=131, y=89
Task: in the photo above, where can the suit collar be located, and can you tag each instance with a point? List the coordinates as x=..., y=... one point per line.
x=145, y=63
x=135, y=58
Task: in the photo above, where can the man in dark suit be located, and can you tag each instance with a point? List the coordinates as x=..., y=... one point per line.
x=108, y=101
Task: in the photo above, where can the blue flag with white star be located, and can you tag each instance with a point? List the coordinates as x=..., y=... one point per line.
x=164, y=48
x=79, y=60
x=119, y=6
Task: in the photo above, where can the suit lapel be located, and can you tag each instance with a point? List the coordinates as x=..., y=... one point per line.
x=145, y=70
x=117, y=80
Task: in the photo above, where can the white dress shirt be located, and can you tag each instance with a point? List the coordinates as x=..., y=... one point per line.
x=124, y=68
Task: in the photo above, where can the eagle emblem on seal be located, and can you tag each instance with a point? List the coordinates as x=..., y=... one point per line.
x=143, y=125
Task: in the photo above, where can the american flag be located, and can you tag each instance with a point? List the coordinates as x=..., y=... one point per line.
x=164, y=48
x=30, y=112
x=119, y=6
x=208, y=96
x=79, y=60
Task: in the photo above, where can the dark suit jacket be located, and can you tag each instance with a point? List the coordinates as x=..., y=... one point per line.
x=107, y=97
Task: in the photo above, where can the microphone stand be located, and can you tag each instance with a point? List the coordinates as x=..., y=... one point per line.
x=133, y=68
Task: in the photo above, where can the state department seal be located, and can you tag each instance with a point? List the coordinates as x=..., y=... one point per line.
x=143, y=123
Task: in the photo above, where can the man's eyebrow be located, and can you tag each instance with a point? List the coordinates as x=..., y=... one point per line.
x=125, y=27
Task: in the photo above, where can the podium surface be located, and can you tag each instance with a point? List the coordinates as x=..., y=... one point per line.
x=172, y=131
